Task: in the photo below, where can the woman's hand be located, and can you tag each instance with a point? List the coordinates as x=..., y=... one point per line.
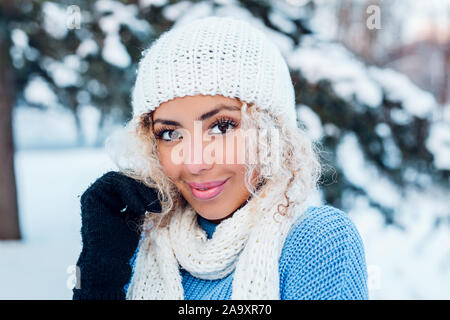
x=122, y=194
x=112, y=211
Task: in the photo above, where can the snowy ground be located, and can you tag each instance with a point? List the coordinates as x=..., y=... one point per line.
x=49, y=184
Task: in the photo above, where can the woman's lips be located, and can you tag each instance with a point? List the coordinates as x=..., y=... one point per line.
x=210, y=189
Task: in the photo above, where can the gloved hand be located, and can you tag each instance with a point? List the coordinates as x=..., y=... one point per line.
x=112, y=210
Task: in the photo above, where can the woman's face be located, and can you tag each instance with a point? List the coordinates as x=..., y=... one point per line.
x=200, y=147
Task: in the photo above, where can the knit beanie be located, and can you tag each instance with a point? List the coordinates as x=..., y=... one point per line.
x=215, y=56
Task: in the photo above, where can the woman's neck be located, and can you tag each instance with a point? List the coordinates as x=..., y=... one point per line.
x=217, y=221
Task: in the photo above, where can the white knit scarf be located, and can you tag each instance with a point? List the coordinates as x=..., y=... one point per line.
x=249, y=242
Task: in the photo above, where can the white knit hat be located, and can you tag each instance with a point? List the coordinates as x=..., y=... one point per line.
x=215, y=56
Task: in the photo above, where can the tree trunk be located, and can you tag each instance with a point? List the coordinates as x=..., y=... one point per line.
x=9, y=218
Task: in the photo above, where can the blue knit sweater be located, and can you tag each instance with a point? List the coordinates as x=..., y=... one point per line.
x=322, y=258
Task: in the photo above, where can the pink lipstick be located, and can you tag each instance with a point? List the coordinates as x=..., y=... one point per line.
x=207, y=190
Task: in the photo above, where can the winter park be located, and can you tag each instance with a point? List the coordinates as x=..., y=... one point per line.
x=372, y=91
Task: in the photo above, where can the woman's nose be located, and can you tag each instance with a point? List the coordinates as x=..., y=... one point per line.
x=197, y=169
x=195, y=161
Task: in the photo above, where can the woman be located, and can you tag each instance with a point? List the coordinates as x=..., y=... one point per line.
x=215, y=176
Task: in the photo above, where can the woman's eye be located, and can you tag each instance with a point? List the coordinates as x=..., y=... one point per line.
x=222, y=128
x=170, y=135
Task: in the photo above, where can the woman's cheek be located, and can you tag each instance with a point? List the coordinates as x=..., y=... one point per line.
x=165, y=159
x=235, y=148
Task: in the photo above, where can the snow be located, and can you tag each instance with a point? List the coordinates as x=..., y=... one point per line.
x=392, y=157
x=38, y=91
x=352, y=80
x=49, y=184
x=49, y=128
x=90, y=120
x=120, y=14
x=292, y=9
x=113, y=51
x=282, y=22
x=87, y=47
x=383, y=130
x=55, y=18
x=399, y=88
x=157, y=3
x=324, y=20
x=185, y=11
x=408, y=261
x=64, y=73
x=195, y=11
x=311, y=121
x=19, y=38
x=438, y=142
x=318, y=60
x=331, y=130
x=297, y=2
x=43, y=128
x=21, y=48
x=400, y=116
x=173, y=12
x=283, y=42
x=362, y=174
x=412, y=263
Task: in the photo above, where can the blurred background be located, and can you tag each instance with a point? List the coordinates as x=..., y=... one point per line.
x=372, y=87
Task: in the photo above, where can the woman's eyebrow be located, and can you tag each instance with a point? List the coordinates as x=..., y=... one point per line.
x=216, y=110
x=167, y=122
x=203, y=117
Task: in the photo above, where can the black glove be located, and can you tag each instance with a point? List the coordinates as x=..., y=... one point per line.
x=112, y=211
x=123, y=196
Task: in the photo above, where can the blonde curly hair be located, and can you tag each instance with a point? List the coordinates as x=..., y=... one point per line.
x=134, y=150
